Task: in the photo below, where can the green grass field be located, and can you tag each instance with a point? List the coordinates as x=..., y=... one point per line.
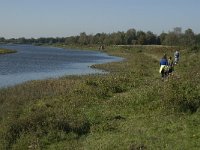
x=129, y=108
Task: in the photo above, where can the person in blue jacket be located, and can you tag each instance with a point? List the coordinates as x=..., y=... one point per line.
x=164, y=66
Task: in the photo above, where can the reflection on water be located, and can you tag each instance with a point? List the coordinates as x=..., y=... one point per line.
x=36, y=62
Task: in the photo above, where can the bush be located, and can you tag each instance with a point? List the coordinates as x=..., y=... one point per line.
x=194, y=49
x=182, y=95
x=41, y=121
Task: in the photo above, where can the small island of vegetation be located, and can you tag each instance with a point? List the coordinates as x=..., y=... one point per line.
x=6, y=51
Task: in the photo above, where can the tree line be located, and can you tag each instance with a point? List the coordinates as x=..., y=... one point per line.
x=130, y=37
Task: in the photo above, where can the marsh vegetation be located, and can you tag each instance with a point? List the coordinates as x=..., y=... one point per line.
x=129, y=108
x=5, y=51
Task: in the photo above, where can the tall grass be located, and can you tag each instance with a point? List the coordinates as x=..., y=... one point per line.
x=129, y=108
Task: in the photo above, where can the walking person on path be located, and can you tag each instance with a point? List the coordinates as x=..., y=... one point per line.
x=164, y=67
x=171, y=66
x=176, y=57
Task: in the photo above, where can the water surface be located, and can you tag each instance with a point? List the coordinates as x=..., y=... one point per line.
x=37, y=62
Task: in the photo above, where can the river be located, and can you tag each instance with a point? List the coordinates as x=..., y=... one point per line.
x=37, y=62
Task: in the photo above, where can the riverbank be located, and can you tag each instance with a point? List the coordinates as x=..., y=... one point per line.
x=6, y=51
x=40, y=62
x=129, y=108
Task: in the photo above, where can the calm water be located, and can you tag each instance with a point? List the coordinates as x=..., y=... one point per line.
x=36, y=62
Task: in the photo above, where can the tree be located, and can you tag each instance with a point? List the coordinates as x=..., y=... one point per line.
x=21, y=40
x=171, y=39
x=189, y=37
x=102, y=38
x=197, y=39
x=71, y=40
x=130, y=36
x=141, y=38
x=83, y=40
x=162, y=38
x=117, y=38
x=2, y=40
x=150, y=38
x=108, y=39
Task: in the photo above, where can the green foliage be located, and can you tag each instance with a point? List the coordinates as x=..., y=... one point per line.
x=194, y=49
x=128, y=108
x=5, y=51
x=182, y=96
x=130, y=37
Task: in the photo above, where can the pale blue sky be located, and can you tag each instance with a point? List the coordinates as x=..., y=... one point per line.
x=63, y=18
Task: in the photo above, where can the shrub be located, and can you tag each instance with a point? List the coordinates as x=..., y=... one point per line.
x=182, y=95
x=194, y=49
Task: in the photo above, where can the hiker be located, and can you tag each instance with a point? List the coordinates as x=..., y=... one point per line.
x=164, y=66
x=176, y=57
x=170, y=65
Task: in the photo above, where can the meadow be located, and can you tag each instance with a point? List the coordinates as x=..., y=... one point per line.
x=129, y=108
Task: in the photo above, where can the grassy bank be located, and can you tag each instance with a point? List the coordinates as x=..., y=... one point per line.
x=5, y=51
x=130, y=108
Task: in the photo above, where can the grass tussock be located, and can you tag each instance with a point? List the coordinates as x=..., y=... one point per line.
x=129, y=108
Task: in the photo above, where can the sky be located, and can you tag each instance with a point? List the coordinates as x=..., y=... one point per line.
x=64, y=18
